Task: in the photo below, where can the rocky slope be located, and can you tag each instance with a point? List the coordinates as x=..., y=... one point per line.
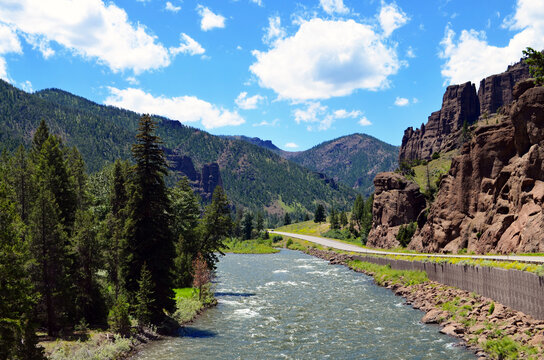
x=460, y=104
x=492, y=199
x=397, y=201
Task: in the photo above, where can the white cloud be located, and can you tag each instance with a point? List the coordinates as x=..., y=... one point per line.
x=268, y=123
x=9, y=43
x=258, y=2
x=364, y=121
x=400, y=101
x=410, y=53
x=185, y=109
x=333, y=6
x=470, y=57
x=171, y=7
x=291, y=145
x=210, y=20
x=391, y=17
x=88, y=28
x=132, y=80
x=27, y=86
x=274, y=31
x=187, y=46
x=248, y=103
x=325, y=59
x=320, y=118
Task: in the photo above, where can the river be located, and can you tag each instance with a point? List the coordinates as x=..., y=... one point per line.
x=290, y=305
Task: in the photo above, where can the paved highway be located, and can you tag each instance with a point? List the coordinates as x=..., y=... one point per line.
x=352, y=247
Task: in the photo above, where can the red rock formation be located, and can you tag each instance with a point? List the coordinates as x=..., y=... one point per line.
x=493, y=197
x=397, y=201
x=460, y=103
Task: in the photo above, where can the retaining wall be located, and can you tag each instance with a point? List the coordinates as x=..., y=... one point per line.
x=520, y=290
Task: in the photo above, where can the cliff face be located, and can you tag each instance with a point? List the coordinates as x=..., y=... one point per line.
x=397, y=201
x=460, y=103
x=493, y=197
x=205, y=182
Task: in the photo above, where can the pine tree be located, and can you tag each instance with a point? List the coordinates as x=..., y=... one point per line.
x=149, y=236
x=343, y=219
x=287, y=219
x=78, y=176
x=17, y=295
x=247, y=225
x=22, y=182
x=40, y=136
x=259, y=222
x=333, y=219
x=319, y=215
x=216, y=226
x=358, y=210
x=144, y=298
x=86, y=251
x=186, y=214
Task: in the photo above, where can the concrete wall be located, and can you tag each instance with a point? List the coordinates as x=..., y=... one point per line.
x=520, y=290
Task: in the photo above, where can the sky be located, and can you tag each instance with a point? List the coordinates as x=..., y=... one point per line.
x=294, y=72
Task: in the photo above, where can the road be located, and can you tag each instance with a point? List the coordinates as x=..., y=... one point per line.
x=352, y=247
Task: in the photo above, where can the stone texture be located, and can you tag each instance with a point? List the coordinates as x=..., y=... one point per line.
x=492, y=199
x=397, y=201
x=204, y=182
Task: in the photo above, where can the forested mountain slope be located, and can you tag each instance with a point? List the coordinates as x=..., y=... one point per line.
x=252, y=176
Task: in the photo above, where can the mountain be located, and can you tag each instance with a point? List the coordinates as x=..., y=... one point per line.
x=253, y=177
x=352, y=160
x=267, y=144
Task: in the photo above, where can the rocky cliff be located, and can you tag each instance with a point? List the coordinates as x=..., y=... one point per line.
x=492, y=199
x=397, y=201
x=460, y=103
x=203, y=183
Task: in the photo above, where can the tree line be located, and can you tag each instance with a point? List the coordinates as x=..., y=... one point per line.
x=68, y=258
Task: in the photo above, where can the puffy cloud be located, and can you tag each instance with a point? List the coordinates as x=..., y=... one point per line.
x=185, y=109
x=274, y=31
x=400, y=101
x=89, y=28
x=187, y=46
x=209, y=19
x=248, y=103
x=9, y=43
x=291, y=145
x=364, y=121
x=391, y=17
x=320, y=118
x=325, y=59
x=470, y=57
x=27, y=86
x=258, y=2
x=171, y=7
x=333, y=6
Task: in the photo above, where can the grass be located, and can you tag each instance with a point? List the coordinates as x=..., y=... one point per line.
x=384, y=273
x=99, y=346
x=306, y=228
x=236, y=246
x=437, y=168
x=185, y=293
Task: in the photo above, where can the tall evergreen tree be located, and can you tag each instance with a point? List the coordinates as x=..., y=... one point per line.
x=186, y=214
x=287, y=219
x=247, y=225
x=40, y=136
x=144, y=298
x=333, y=219
x=149, y=236
x=78, y=176
x=259, y=222
x=22, y=182
x=343, y=219
x=216, y=226
x=17, y=296
x=319, y=215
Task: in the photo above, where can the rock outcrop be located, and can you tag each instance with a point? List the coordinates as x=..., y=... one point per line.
x=204, y=182
x=397, y=201
x=496, y=90
x=460, y=104
x=492, y=200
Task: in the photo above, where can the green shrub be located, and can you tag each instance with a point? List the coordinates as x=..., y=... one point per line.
x=118, y=317
x=404, y=236
x=289, y=242
x=436, y=156
x=491, y=308
x=502, y=348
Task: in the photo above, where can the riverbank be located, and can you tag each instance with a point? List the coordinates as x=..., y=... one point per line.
x=490, y=329
x=104, y=345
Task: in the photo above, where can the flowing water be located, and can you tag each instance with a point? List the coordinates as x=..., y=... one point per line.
x=293, y=306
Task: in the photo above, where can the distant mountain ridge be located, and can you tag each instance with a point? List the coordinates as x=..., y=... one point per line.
x=352, y=160
x=253, y=177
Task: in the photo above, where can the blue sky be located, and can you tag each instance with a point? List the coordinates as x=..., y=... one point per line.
x=297, y=73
